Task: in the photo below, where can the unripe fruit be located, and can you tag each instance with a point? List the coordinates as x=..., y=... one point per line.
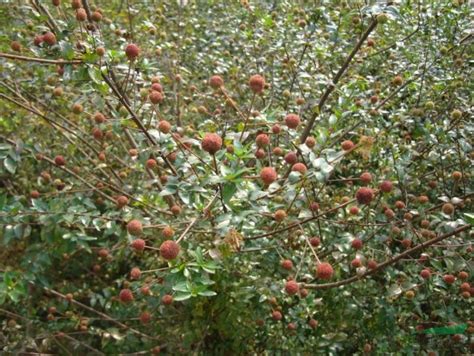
x=167, y=232
x=103, y=253
x=135, y=227
x=370, y=42
x=364, y=195
x=211, y=143
x=169, y=250
x=175, y=209
x=456, y=175
x=132, y=51
x=465, y=287
x=56, y=2
x=277, y=151
x=398, y=80
x=268, y=175
x=399, y=204
x=257, y=83
x=448, y=208
x=291, y=287
x=76, y=4
x=58, y=91
x=324, y=271
x=77, y=108
x=287, y=264
x=164, y=126
x=126, y=295
x=304, y=293
x=151, y=163
x=354, y=210
x=310, y=142
x=167, y=299
x=292, y=121
x=382, y=18
x=260, y=153
x=463, y=275
x=280, y=215
x=456, y=114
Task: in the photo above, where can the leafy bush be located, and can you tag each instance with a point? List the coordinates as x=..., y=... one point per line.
x=217, y=177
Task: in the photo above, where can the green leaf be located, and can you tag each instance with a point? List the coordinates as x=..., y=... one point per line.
x=182, y=296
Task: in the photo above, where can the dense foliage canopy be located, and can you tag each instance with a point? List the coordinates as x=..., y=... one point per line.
x=224, y=177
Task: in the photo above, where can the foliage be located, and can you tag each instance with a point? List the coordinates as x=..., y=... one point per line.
x=393, y=79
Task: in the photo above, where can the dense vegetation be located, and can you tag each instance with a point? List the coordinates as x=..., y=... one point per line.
x=223, y=177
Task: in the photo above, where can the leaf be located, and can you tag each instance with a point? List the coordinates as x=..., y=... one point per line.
x=10, y=165
x=207, y=293
x=447, y=330
x=182, y=296
x=228, y=191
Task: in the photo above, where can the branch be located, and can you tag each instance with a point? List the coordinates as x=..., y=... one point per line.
x=336, y=79
x=389, y=261
x=39, y=60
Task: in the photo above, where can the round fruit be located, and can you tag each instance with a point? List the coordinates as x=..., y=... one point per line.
x=364, y=195
x=216, y=82
x=169, y=250
x=135, y=227
x=268, y=175
x=324, y=271
x=211, y=143
x=126, y=295
x=292, y=121
x=132, y=51
x=257, y=83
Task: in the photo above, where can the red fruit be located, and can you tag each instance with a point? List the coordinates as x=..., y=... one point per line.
x=135, y=273
x=216, y=82
x=211, y=143
x=257, y=83
x=299, y=167
x=126, y=295
x=99, y=118
x=372, y=264
x=169, y=250
x=315, y=241
x=103, y=252
x=400, y=205
x=96, y=16
x=164, y=126
x=370, y=42
x=366, y=178
x=260, y=153
x=280, y=215
x=292, y=121
x=389, y=213
x=135, y=227
x=291, y=158
x=97, y=133
x=313, y=206
x=291, y=326
x=347, y=145
x=386, y=186
x=49, y=38
x=354, y=210
x=39, y=39
x=268, y=175
x=34, y=194
x=145, y=317
x=59, y=160
x=449, y=278
x=357, y=244
x=121, y=201
x=15, y=46
x=324, y=271
x=463, y=275
x=310, y=142
x=81, y=15
x=167, y=232
x=425, y=273
x=132, y=51
x=155, y=97
x=151, y=163
x=304, y=293
x=262, y=140
x=448, y=208
x=291, y=287
x=406, y=243
x=374, y=99
x=145, y=290
x=465, y=287
x=277, y=151
x=276, y=129
x=56, y=2
x=287, y=264
x=175, y=209
x=276, y=315
x=356, y=262
x=167, y=299
x=313, y=323
x=364, y=195
x=76, y=4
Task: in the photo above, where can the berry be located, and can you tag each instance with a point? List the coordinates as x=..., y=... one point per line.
x=276, y=315
x=292, y=121
x=291, y=287
x=456, y=175
x=310, y=142
x=276, y=129
x=15, y=46
x=145, y=317
x=315, y=241
x=135, y=273
x=448, y=208
x=260, y=153
x=277, y=151
x=216, y=82
x=304, y=293
x=268, y=175
x=463, y=275
x=76, y=4
x=386, y=186
x=291, y=326
x=324, y=271
x=280, y=215
x=157, y=87
x=103, y=252
x=175, y=209
x=397, y=80
x=99, y=118
x=169, y=250
x=382, y=18
x=77, y=108
x=126, y=295
x=365, y=178
x=449, y=278
x=49, y=38
x=357, y=244
x=132, y=51
x=151, y=163
x=400, y=205
x=370, y=42
x=425, y=273
x=59, y=160
x=354, y=210
x=155, y=97
x=313, y=323
x=465, y=287
x=167, y=299
x=164, y=126
x=291, y=158
x=81, y=15
x=96, y=16
x=257, y=83
x=299, y=167
x=262, y=140
x=38, y=40
x=211, y=143
x=135, y=227
x=456, y=114
x=34, y=194
x=287, y=264
x=167, y=232
x=356, y=262
x=372, y=264
x=121, y=201
x=364, y=195
x=347, y=145
x=313, y=206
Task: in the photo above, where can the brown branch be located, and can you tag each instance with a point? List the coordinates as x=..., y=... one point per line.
x=389, y=261
x=39, y=60
x=336, y=79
